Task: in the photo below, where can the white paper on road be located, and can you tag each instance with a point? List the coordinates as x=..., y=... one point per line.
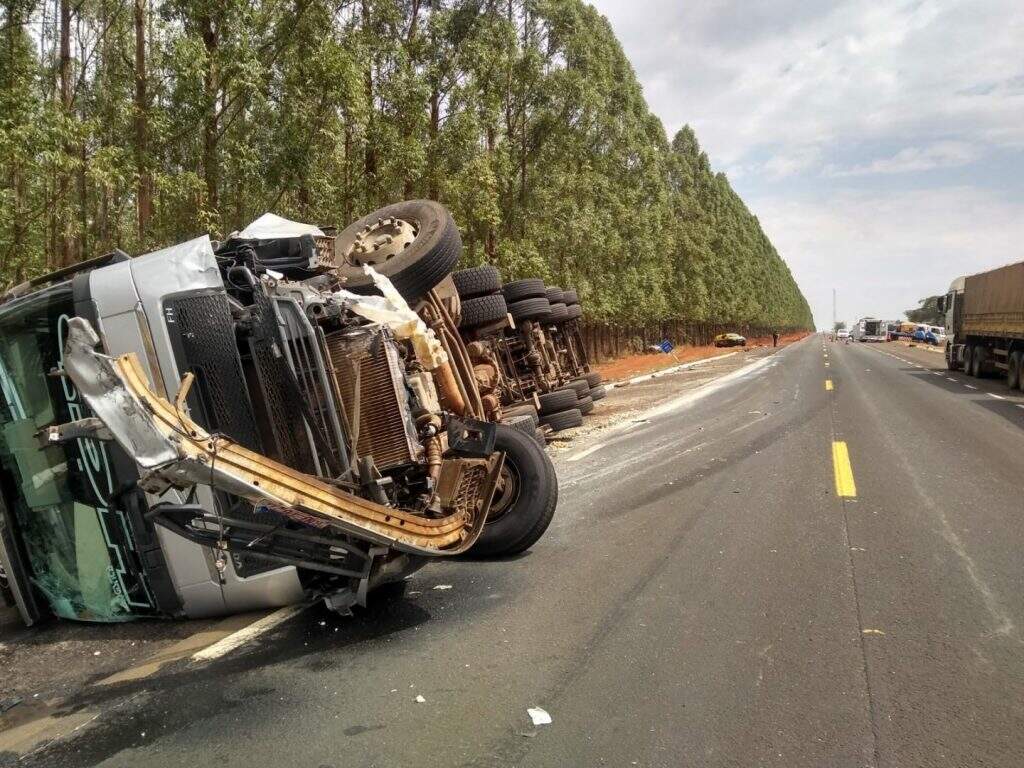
x=539, y=716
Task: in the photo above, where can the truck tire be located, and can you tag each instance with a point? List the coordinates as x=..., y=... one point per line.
x=483, y=310
x=554, y=294
x=978, y=360
x=530, y=288
x=585, y=405
x=598, y=393
x=419, y=265
x=536, y=308
x=558, y=314
x=525, y=500
x=593, y=378
x=525, y=424
x=968, y=359
x=573, y=311
x=569, y=297
x=1013, y=370
x=563, y=419
x=581, y=386
x=558, y=400
x=522, y=409
x=951, y=364
x=477, y=281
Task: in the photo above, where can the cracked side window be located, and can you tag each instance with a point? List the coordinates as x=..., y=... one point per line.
x=59, y=496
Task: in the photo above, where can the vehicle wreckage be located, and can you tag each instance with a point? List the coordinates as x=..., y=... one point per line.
x=216, y=427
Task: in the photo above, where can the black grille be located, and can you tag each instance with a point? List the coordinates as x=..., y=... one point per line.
x=203, y=337
x=284, y=416
x=219, y=400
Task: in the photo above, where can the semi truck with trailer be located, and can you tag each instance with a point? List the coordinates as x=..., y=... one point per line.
x=985, y=324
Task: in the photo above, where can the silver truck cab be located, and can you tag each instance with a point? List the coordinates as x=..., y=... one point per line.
x=74, y=537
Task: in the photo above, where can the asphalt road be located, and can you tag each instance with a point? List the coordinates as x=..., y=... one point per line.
x=703, y=598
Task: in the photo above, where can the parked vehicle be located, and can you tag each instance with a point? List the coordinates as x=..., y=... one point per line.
x=985, y=324
x=730, y=340
x=249, y=423
x=842, y=334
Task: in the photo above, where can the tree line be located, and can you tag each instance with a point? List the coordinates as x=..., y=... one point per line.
x=138, y=123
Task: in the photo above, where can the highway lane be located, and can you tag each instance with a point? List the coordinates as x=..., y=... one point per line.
x=703, y=597
x=938, y=537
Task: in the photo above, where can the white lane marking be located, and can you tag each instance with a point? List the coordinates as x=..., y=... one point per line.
x=584, y=453
x=247, y=634
x=951, y=378
x=970, y=386
x=993, y=394
x=1019, y=405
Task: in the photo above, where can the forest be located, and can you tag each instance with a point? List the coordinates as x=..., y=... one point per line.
x=138, y=123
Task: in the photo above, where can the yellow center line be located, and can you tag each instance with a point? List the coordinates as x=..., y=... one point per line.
x=828, y=385
x=845, y=487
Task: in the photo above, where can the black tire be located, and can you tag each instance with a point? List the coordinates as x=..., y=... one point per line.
x=598, y=393
x=978, y=360
x=528, y=288
x=522, y=409
x=517, y=520
x=554, y=294
x=483, y=310
x=950, y=363
x=573, y=311
x=585, y=405
x=563, y=419
x=968, y=359
x=569, y=297
x=1013, y=372
x=477, y=281
x=525, y=424
x=559, y=400
x=424, y=262
x=536, y=308
x=593, y=378
x=581, y=386
x=558, y=314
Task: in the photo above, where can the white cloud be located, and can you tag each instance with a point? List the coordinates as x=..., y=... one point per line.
x=940, y=154
x=884, y=251
x=787, y=75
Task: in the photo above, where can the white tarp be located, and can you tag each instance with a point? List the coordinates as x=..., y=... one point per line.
x=270, y=225
x=393, y=311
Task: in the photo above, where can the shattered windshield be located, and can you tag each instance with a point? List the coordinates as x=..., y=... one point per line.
x=59, y=496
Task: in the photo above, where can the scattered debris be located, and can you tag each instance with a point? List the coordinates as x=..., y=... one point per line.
x=96, y=653
x=420, y=699
x=442, y=586
x=539, y=716
x=872, y=632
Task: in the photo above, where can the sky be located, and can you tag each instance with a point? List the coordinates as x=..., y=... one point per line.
x=880, y=143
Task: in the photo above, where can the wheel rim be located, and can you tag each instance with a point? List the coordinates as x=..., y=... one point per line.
x=506, y=493
x=381, y=241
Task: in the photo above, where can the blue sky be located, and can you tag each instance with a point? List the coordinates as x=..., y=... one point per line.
x=881, y=144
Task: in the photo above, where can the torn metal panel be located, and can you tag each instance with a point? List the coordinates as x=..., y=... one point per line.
x=172, y=450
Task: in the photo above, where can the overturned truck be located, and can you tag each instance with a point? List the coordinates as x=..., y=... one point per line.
x=217, y=427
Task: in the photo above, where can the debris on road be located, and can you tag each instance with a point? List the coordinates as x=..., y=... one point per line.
x=539, y=716
x=442, y=586
x=419, y=699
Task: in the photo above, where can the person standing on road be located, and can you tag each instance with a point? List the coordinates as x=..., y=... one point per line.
x=775, y=338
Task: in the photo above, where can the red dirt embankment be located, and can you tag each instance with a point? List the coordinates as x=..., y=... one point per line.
x=638, y=365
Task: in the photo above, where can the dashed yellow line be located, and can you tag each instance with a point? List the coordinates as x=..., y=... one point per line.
x=828, y=385
x=845, y=486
